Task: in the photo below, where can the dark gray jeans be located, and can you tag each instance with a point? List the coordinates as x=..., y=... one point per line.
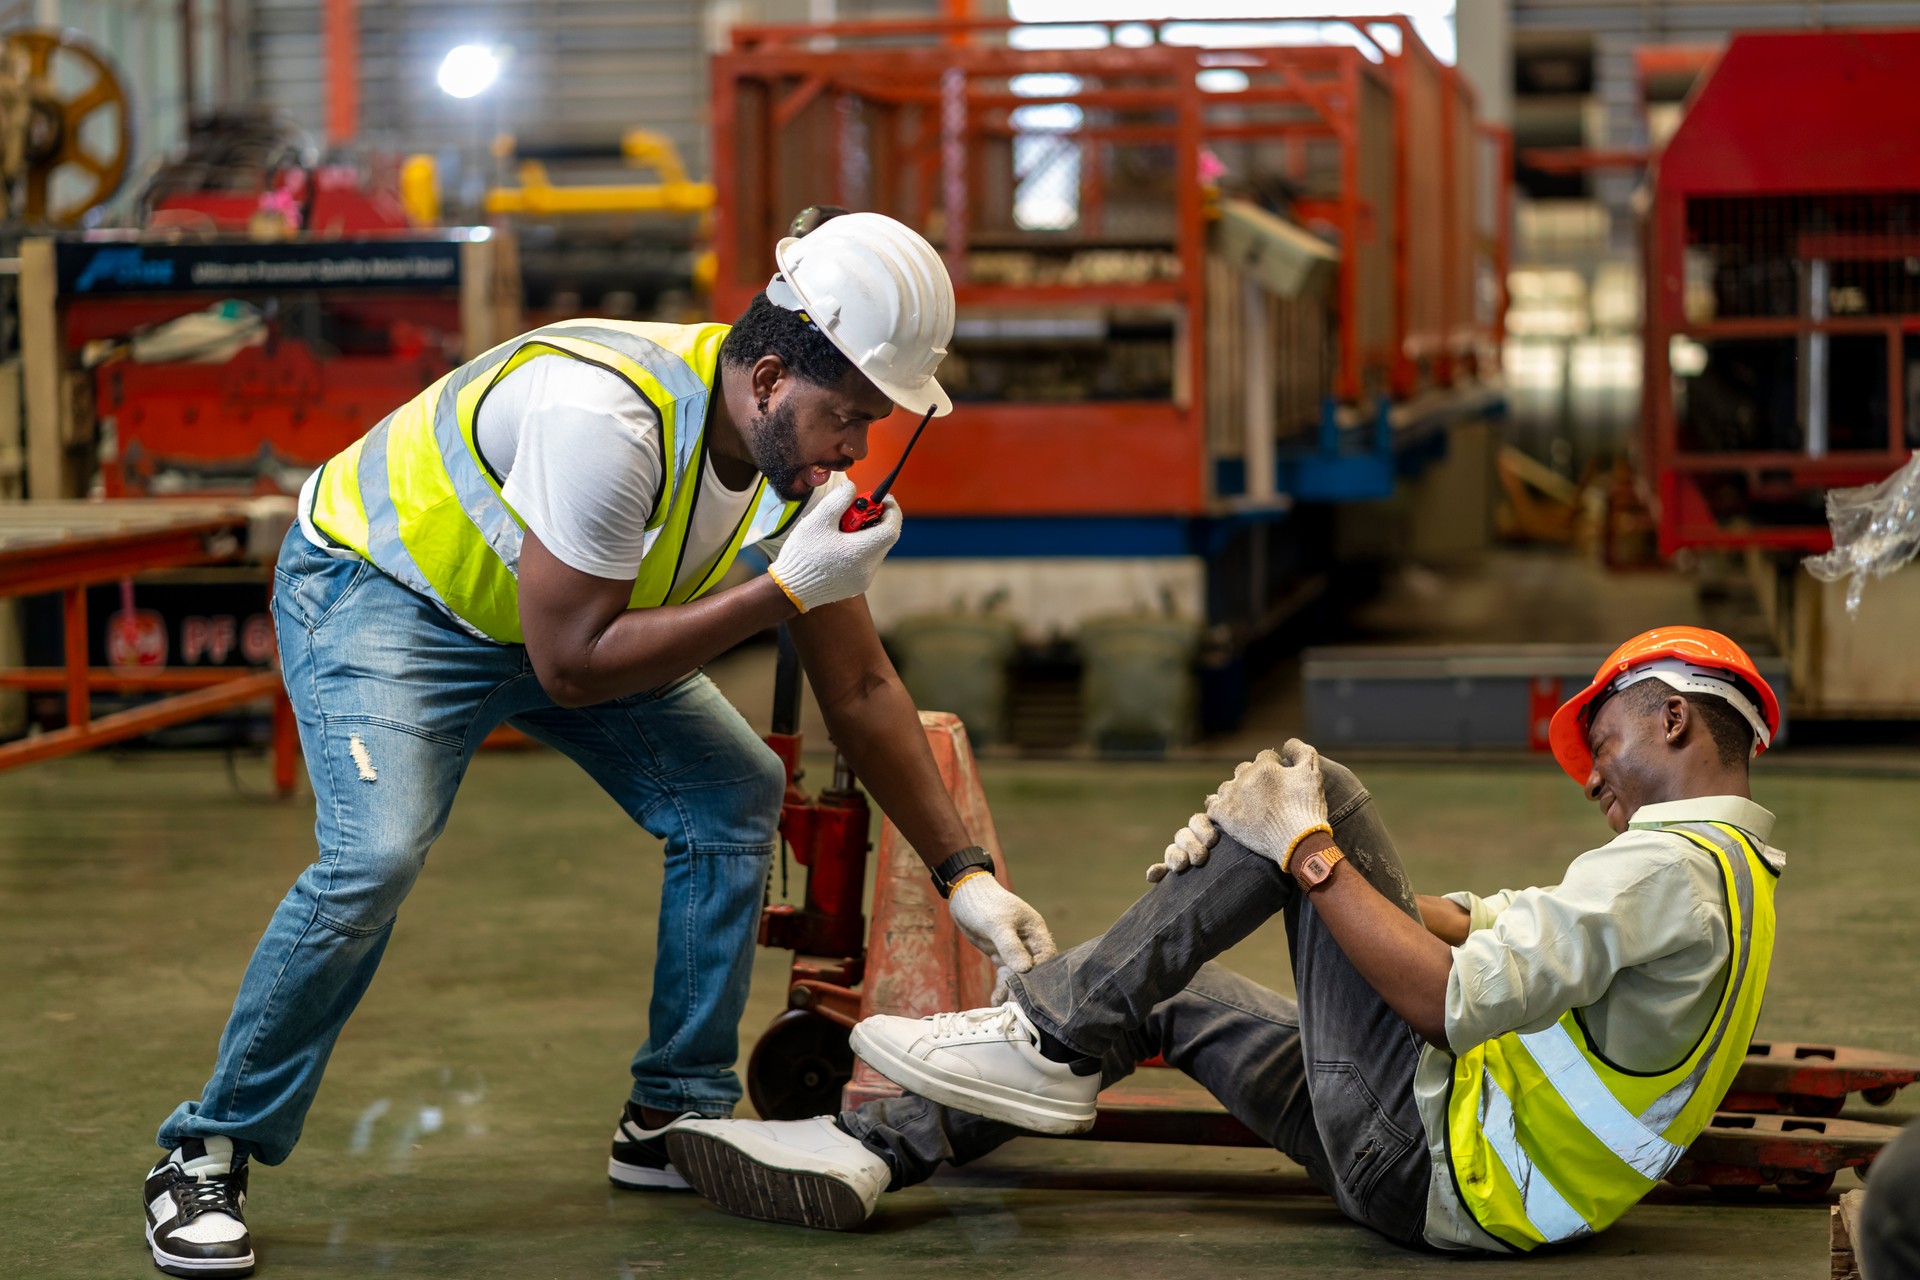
x=1328, y=1080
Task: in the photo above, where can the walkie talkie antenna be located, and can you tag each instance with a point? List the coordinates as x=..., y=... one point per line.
x=865, y=511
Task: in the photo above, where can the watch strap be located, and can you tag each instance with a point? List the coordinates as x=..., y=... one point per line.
x=951, y=870
x=1318, y=828
x=1323, y=861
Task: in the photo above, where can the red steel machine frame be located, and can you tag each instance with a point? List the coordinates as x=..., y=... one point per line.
x=70, y=546
x=276, y=405
x=1390, y=127
x=1753, y=174
x=279, y=404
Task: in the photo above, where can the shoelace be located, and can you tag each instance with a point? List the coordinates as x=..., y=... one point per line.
x=967, y=1022
x=198, y=1195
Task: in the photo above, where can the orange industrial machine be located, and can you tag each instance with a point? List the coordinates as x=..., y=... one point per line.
x=1783, y=296
x=1072, y=191
x=1203, y=293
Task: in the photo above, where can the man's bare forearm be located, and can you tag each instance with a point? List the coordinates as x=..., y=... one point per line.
x=641, y=649
x=1445, y=919
x=875, y=724
x=879, y=732
x=1397, y=956
x=588, y=645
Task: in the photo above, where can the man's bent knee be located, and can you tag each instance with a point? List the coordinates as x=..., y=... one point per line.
x=1342, y=788
x=738, y=811
x=360, y=893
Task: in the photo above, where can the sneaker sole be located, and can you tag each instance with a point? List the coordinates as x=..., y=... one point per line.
x=748, y=1188
x=974, y=1096
x=644, y=1177
x=175, y=1265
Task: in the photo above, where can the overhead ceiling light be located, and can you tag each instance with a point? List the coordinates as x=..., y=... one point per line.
x=469, y=70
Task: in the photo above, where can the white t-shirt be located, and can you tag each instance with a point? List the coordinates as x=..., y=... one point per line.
x=586, y=482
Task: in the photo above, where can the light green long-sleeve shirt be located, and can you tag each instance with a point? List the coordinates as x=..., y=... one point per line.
x=1636, y=936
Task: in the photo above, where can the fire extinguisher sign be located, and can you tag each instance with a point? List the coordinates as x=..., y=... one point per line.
x=213, y=640
x=140, y=639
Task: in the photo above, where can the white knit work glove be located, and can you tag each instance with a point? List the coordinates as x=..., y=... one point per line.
x=1001, y=924
x=1191, y=845
x=1273, y=801
x=818, y=564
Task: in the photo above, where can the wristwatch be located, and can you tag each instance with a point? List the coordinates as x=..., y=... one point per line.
x=1312, y=871
x=951, y=871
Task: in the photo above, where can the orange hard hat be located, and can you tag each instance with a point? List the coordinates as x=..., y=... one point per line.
x=1691, y=660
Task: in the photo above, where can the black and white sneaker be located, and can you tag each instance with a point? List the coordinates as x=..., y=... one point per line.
x=196, y=1203
x=639, y=1161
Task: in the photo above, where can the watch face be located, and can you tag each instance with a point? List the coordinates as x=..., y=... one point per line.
x=1316, y=868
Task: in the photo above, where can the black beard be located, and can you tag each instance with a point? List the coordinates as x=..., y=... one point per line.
x=774, y=441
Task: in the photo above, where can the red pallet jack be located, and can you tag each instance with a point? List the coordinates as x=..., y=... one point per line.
x=1778, y=1126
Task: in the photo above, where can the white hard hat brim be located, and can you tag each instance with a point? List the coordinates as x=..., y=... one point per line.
x=917, y=400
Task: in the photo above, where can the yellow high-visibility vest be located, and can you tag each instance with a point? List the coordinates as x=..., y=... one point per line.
x=1550, y=1142
x=414, y=496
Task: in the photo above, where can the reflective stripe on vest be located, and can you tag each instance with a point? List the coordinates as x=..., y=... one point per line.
x=1665, y=1109
x=1549, y=1142
x=1546, y=1208
x=415, y=497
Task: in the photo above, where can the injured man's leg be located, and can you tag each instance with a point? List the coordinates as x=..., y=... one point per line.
x=1332, y=1074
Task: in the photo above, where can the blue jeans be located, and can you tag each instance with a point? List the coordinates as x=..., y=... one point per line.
x=1327, y=1079
x=392, y=699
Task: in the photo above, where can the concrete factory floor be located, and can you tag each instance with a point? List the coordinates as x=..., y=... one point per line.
x=463, y=1126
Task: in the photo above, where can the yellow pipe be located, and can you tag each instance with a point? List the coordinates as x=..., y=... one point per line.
x=544, y=199
x=539, y=197
x=420, y=190
x=644, y=147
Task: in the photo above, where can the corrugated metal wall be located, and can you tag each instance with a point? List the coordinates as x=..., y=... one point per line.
x=581, y=71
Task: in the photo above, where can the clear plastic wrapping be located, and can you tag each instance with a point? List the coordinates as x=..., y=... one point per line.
x=1876, y=529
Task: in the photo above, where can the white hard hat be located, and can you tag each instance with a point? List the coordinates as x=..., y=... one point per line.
x=881, y=295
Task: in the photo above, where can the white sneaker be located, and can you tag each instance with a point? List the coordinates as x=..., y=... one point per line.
x=985, y=1062
x=811, y=1173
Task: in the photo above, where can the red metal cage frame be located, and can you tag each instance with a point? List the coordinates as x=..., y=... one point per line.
x=1761, y=124
x=1151, y=456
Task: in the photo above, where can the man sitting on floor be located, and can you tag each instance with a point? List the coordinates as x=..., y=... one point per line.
x=1495, y=1073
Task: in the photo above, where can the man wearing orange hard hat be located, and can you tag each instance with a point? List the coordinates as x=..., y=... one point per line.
x=1688, y=660
x=1459, y=1073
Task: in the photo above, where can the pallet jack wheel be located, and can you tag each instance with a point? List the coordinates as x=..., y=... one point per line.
x=799, y=1067
x=1805, y=1186
x=1807, y=1104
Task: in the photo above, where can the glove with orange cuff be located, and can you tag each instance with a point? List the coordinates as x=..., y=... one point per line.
x=818, y=564
x=1002, y=925
x=1273, y=801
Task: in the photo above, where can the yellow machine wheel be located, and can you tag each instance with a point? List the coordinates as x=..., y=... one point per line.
x=59, y=85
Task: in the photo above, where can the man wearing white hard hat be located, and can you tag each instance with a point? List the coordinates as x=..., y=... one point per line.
x=541, y=539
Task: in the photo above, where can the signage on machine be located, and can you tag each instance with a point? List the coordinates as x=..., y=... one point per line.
x=86, y=267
